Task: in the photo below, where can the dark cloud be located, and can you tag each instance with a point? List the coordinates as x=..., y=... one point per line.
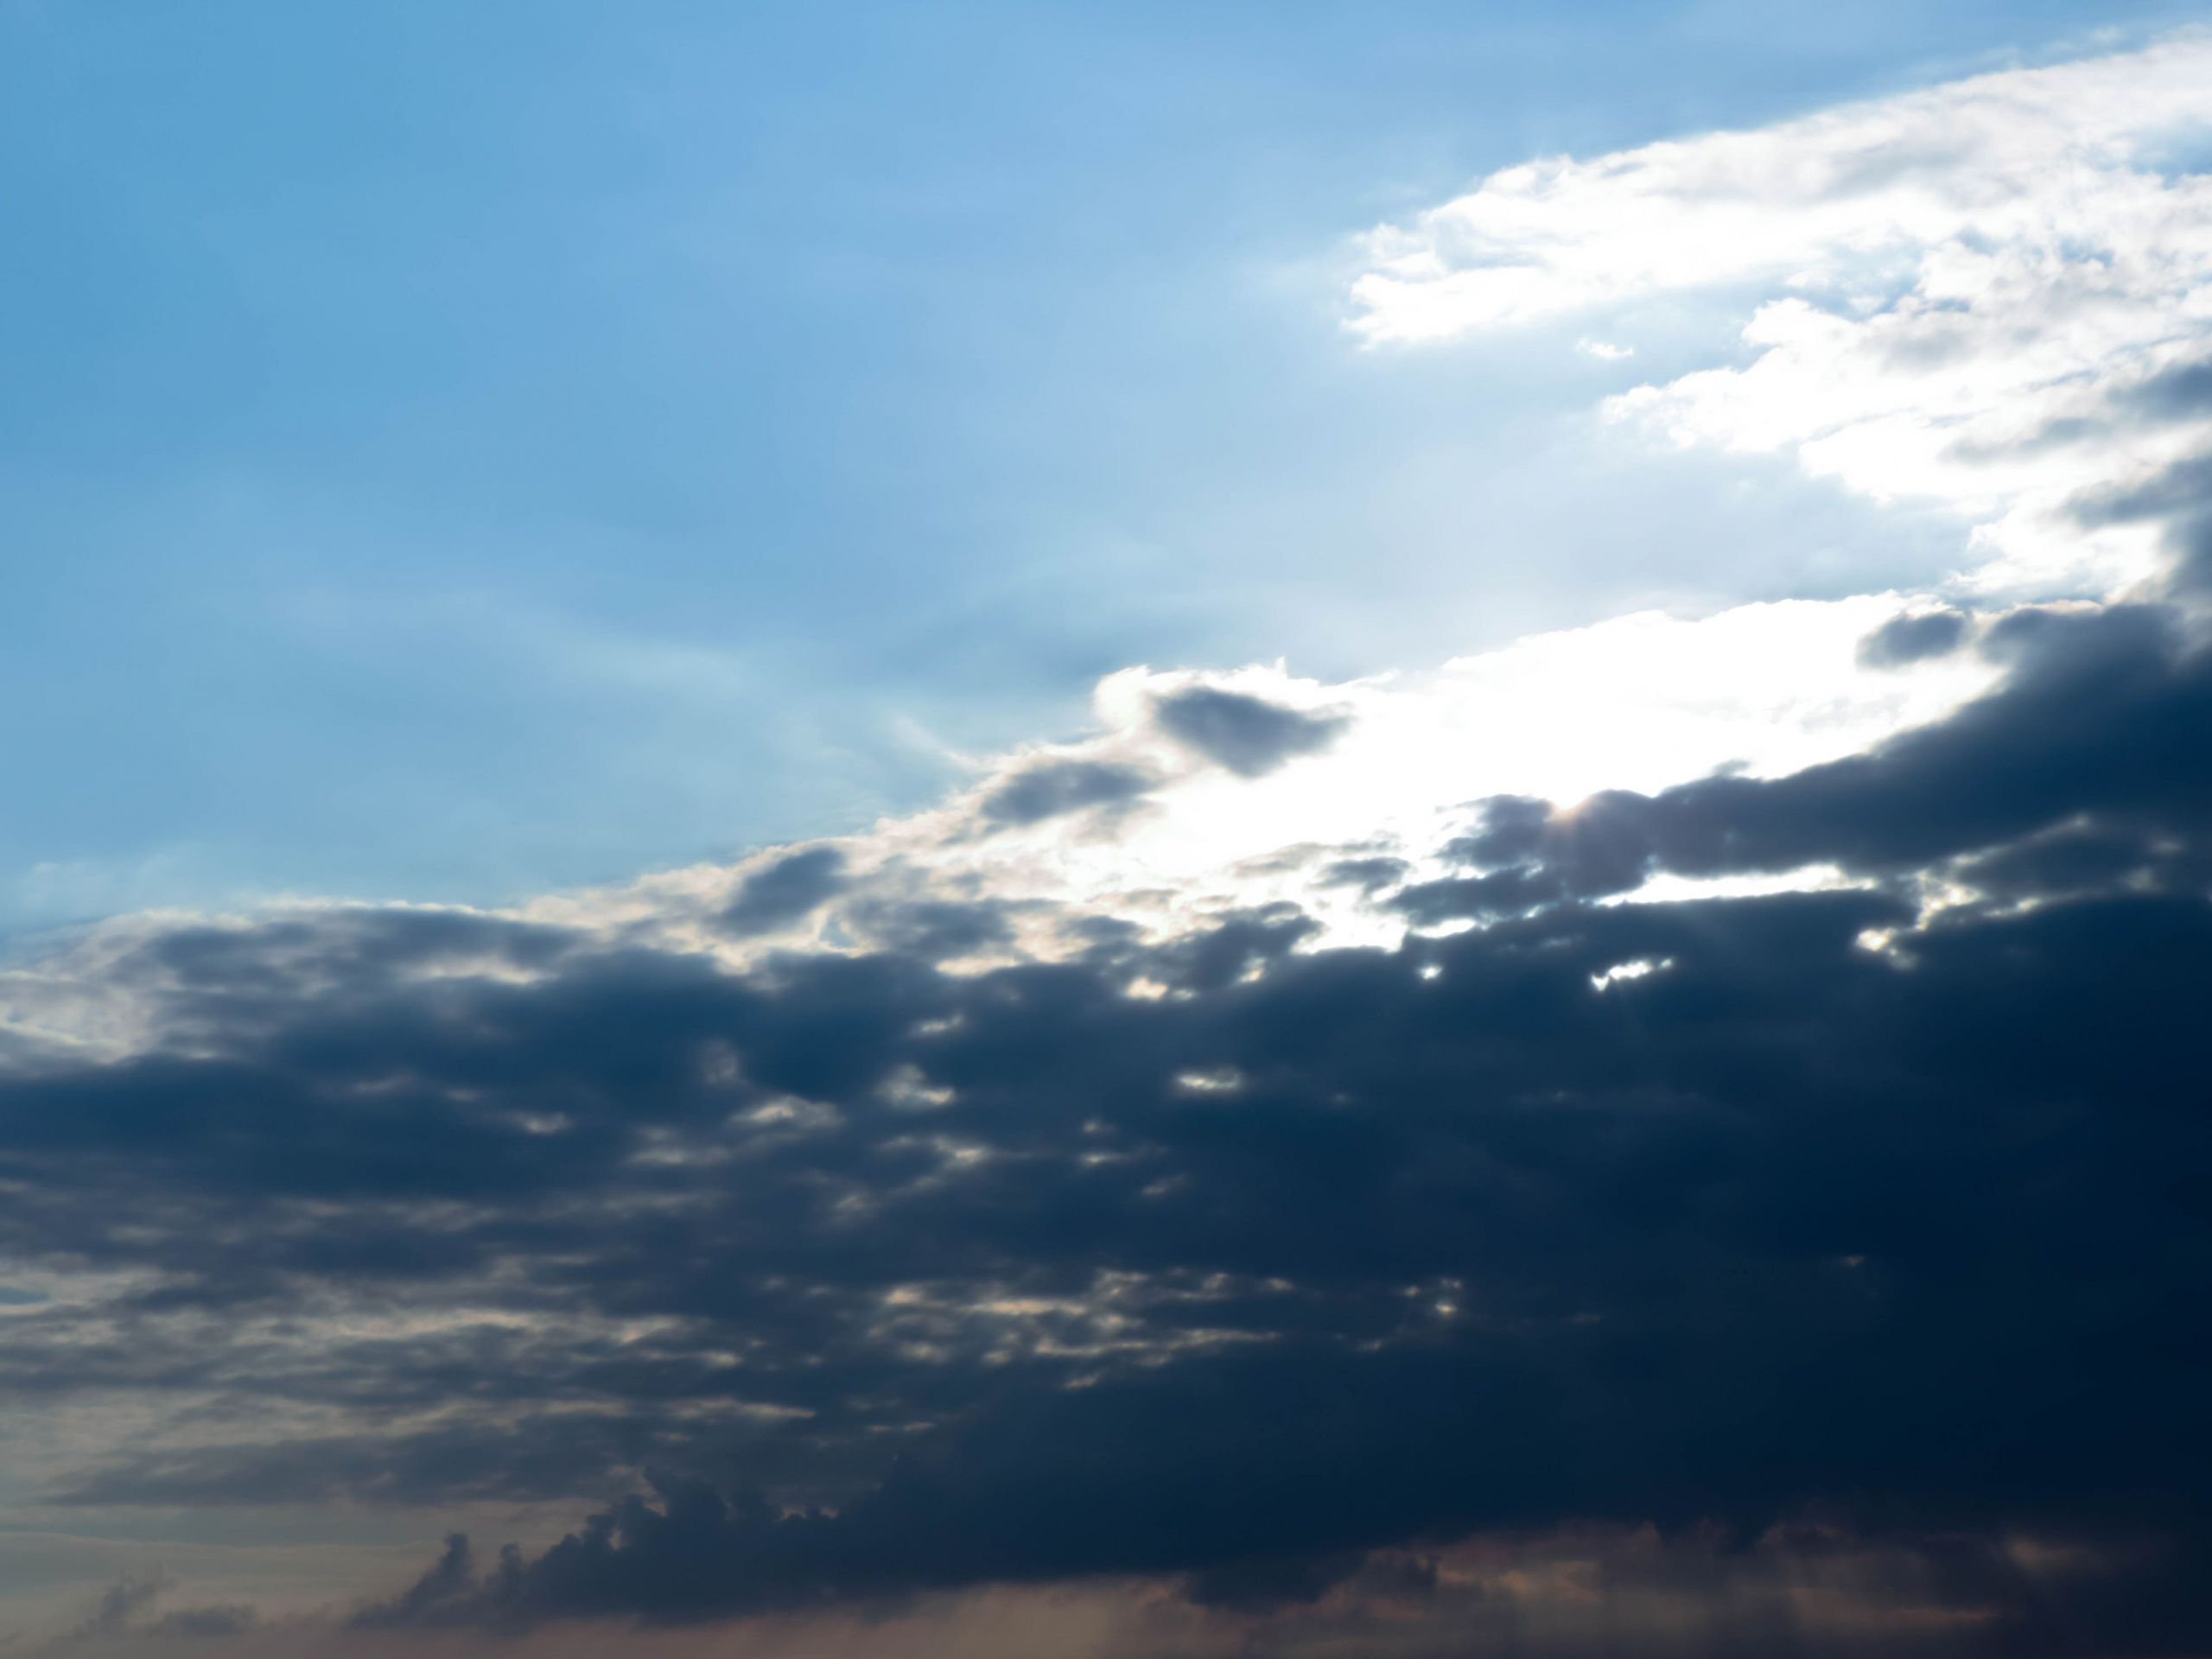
x=451, y=1577
x=1913, y=637
x=1371, y=874
x=2178, y=499
x=122, y=1601
x=1249, y=735
x=932, y=929
x=2179, y=491
x=209, y=1623
x=1221, y=1257
x=788, y=891
x=1482, y=898
x=2179, y=393
x=2102, y=717
x=121, y=1615
x=1052, y=789
x=1265, y=1584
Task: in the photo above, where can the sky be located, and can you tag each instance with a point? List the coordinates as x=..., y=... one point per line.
x=453, y=452
x=1141, y=832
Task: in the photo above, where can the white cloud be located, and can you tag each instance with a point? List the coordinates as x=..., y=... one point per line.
x=1961, y=287
x=1639, y=703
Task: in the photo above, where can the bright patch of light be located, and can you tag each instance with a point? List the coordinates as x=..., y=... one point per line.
x=1638, y=968
x=1221, y=1080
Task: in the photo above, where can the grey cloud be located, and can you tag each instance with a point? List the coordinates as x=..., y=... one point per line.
x=207, y=1624
x=934, y=929
x=123, y=1601
x=2102, y=717
x=1248, y=736
x=119, y=1620
x=1052, y=789
x=2180, y=489
x=1370, y=873
x=786, y=892
x=1913, y=637
x=452, y=1576
x=2179, y=499
x=2181, y=392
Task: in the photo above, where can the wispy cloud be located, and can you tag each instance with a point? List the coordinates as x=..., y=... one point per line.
x=1990, y=295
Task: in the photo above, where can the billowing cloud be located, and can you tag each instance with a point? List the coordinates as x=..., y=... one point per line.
x=876, y=1280
x=2106, y=727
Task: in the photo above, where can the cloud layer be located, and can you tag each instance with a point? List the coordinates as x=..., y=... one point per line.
x=1726, y=1211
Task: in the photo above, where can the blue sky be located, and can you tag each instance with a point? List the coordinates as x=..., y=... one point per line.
x=451, y=451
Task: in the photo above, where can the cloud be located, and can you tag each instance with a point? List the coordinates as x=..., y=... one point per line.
x=1249, y=735
x=121, y=1603
x=1869, y=182
x=119, y=1619
x=451, y=1576
x=870, y=1281
x=1052, y=789
x=786, y=890
x=1367, y=873
x=1989, y=296
x=2102, y=720
x=212, y=1623
x=1644, y=701
x=932, y=929
x=1914, y=637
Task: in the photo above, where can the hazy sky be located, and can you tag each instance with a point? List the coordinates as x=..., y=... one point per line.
x=1129, y=831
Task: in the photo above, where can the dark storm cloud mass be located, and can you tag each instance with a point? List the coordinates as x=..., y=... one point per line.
x=1222, y=1256
x=1249, y=735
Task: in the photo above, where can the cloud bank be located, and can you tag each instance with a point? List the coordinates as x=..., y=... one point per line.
x=1206, y=1255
